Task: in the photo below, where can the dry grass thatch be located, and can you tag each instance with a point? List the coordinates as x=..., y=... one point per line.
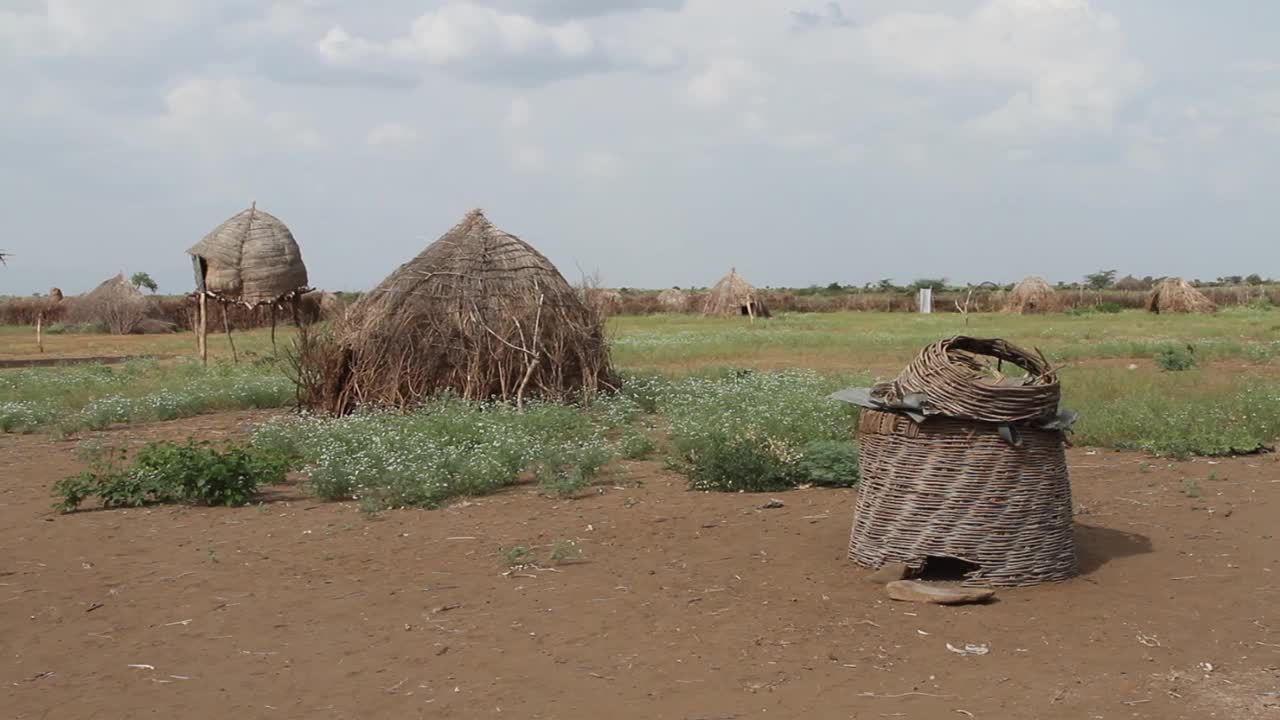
x=1032, y=295
x=115, y=304
x=1175, y=295
x=55, y=295
x=606, y=302
x=478, y=313
x=318, y=305
x=674, y=300
x=251, y=258
x=1130, y=283
x=734, y=296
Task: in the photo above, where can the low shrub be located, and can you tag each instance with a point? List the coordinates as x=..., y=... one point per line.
x=636, y=444
x=191, y=473
x=1176, y=358
x=830, y=463
x=55, y=329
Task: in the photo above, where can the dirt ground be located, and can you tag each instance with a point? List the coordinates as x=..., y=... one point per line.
x=682, y=605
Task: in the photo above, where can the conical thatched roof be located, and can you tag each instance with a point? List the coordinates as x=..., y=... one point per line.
x=1032, y=295
x=1175, y=295
x=479, y=313
x=251, y=258
x=1131, y=283
x=674, y=299
x=734, y=296
x=115, y=304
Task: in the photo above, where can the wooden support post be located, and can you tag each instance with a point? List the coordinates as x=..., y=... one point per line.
x=274, y=350
x=40, y=331
x=226, y=325
x=202, y=331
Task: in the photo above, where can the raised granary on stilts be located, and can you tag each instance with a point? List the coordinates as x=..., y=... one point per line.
x=251, y=259
x=479, y=314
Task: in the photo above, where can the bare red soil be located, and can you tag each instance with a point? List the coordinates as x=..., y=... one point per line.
x=683, y=605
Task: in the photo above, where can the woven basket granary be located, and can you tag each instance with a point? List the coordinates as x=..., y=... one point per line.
x=961, y=462
x=949, y=488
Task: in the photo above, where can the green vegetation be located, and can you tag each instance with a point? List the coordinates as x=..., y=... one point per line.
x=193, y=474
x=449, y=449
x=1176, y=358
x=93, y=397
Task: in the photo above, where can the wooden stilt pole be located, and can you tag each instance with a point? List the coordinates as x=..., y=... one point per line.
x=203, y=330
x=274, y=350
x=226, y=325
x=40, y=331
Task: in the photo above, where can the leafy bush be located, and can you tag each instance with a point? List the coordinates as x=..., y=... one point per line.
x=192, y=473
x=447, y=449
x=1110, y=308
x=749, y=431
x=1176, y=358
x=636, y=444
x=831, y=463
x=55, y=329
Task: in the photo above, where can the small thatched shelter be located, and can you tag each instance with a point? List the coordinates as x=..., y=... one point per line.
x=479, y=313
x=606, y=302
x=251, y=259
x=734, y=296
x=1032, y=295
x=674, y=300
x=1175, y=295
x=1130, y=283
x=318, y=305
x=115, y=304
x=55, y=295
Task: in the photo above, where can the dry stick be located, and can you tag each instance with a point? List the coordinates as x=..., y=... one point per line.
x=203, y=339
x=40, y=331
x=533, y=364
x=274, y=350
x=226, y=325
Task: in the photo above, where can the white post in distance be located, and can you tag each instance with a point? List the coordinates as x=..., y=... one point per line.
x=926, y=301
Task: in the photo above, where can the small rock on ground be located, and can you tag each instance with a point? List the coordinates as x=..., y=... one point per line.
x=773, y=504
x=916, y=591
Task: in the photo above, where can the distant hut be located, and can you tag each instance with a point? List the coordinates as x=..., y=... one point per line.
x=251, y=260
x=734, y=296
x=480, y=314
x=1130, y=284
x=319, y=305
x=1175, y=295
x=674, y=300
x=115, y=304
x=1032, y=295
x=55, y=295
x=605, y=302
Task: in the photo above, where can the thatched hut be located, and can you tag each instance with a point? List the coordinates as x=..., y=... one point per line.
x=55, y=295
x=251, y=259
x=318, y=305
x=605, y=302
x=1130, y=284
x=1032, y=295
x=674, y=300
x=479, y=313
x=115, y=304
x=1175, y=295
x=734, y=296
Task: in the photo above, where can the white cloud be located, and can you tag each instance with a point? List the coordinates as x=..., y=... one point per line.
x=600, y=164
x=213, y=114
x=519, y=113
x=461, y=32
x=1066, y=63
x=528, y=159
x=721, y=80
x=58, y=28
x=391, y=134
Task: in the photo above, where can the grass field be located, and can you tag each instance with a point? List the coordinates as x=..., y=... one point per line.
x=1229, y=403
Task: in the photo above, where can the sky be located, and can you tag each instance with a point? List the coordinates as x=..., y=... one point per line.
x=655, y=143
